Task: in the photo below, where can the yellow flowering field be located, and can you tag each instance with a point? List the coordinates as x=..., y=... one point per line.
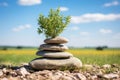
x=18, y=51
x=73, y=51
x=93, y=51
x=87, y=56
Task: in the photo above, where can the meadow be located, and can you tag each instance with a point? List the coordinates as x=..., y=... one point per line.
x=87, y=56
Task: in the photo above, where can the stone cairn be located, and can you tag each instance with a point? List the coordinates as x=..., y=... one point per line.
x=53, y=56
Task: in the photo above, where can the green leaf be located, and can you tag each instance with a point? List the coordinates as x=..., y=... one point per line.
x=53, y=24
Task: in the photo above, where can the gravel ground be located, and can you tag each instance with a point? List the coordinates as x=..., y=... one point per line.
x=87, y=72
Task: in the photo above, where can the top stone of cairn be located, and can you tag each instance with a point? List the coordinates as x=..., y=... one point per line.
x=56, y=40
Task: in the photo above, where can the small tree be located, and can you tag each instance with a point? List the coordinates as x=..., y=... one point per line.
x=99, y=48
x=53, y=24
x=5, y=48
x=19, y=47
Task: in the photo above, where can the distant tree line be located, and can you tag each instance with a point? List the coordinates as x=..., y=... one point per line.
x=15, y=47
x=7, y=47
x=100, y=48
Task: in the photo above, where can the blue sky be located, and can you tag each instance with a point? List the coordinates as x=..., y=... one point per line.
x=93, y=22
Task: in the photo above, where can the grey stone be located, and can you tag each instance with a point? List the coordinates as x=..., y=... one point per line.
x=50, y=54
x=94, y=77
x=1, y=73
x=80, y=76
x=13, y=73
x=45, y=63
x=65, y=78
x=22, y=71
x=4, y=79
x=106, y=66
x=111, y=76
x=4, y=70
x=58, y=40
x=53, y=47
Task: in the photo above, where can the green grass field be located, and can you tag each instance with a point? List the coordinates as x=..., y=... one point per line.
x=87, y=56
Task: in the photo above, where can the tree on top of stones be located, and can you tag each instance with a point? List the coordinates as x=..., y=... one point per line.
x=53, y=24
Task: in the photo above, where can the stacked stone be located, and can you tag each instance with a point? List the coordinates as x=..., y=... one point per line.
x=53, y=56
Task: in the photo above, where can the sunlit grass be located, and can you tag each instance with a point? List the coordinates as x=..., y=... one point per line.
x=92, y=56
x=16, y=57
x=87, y=56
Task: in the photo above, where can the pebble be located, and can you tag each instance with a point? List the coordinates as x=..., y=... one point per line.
x=22, y=71
x=57, y=74
x=107, y=66
x=111, y=76
x=1, y=73
x=80, y=76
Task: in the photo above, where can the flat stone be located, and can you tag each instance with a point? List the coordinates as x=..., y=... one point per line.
x=55, y=54
x=58, y=40
x=111, y=76
x=53, y=47
x=53, y=64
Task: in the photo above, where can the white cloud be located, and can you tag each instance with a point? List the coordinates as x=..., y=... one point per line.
x=21, y=27
x=84, y=33
x=117, y=36
x=96, y=17
x=105, y=31
x=4, y=4
x=114, y=3
x=64, y=9
x=92, y=41
x=29, y=2
x=75, y=28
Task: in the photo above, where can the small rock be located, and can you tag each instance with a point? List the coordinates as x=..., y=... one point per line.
x=87, y=74
x=44, y=72
x=14, y=74
x=22, y=71
x=115, y=65
x=65, y=78
x=96, y=66
x=50, y=54
x=106, y=66
x=4, y=79
x=32, y=77
x=56, y=77
x=94, y=77
x=13, y=78
x=1, y=73
x=80, y=76
x=111, y=76
x=57, y=40
x=53, y=47
x=100, y=72
x=4, y=70
x=46, y=63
